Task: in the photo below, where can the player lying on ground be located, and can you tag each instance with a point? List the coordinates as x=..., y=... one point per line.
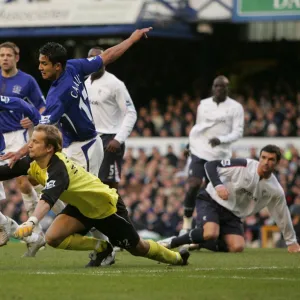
x=238, y=188
x=90, y=204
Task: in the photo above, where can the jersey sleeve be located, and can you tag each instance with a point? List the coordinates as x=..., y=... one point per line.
x=53, y=112
x=281, y=215
x=216, y=168
x=20, y=168
x=87, y=66
x=36, y=96
x=126, y=105
x=19, y=105
x=57, y=182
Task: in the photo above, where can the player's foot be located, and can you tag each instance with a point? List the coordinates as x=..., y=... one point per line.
x=33, y=248
x=109, y=259
x=98, y=257
x=166, y=242
x=184, y=253
x=183, y=232
x=190, y=247
x=6, y=230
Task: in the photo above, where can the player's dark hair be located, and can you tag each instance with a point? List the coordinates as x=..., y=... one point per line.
x=12, y=46
x=55, y=52
x=53, y=136
x=98, y=74
x=272, y=149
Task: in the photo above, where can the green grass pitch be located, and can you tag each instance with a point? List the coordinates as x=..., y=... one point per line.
x=57, y=274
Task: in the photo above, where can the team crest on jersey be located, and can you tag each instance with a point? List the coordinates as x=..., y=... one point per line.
x=17, y=89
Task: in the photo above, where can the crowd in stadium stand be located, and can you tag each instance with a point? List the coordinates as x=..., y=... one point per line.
x=153, y=186
x=270, y=116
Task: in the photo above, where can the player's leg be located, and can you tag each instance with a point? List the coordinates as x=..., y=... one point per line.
x=196, y=179
x=111, y=167
x=232, y=231
x=122, y=233
x=208, y=221
x=63, y=232
x=231, y=238
x=7, y=225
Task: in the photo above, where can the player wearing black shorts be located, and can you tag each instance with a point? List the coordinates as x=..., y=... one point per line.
x=238, y=188
x=114, y=116
x=90, y=203
x=220, y=121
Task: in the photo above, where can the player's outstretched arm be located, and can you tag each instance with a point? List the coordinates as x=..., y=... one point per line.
x=27, y=227
x=13, y=157
x=113, y=53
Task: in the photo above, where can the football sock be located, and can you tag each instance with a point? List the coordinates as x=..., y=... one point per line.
x=58, y=207
x=3, y=219
x=187, y=223
x=162, y=254
x=30, y=201
x=189, y=202
x=82, y=243
x=194, y=236
x=216, y=246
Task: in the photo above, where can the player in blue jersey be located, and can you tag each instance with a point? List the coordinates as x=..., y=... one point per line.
x=15, y=128
x=67, y=101
x=19, y=109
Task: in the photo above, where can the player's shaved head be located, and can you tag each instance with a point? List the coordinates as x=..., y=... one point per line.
x=222, y=78
x=220, y=88
x=95, y=51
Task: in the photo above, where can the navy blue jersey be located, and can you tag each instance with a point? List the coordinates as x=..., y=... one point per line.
x=23, y=86
x=16, y=109
x=67, y=101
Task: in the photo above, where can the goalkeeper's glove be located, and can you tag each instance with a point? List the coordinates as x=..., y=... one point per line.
x=26, y=228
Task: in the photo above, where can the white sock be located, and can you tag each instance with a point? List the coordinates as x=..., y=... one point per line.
x=14, y=226
x=58, y=207
x=3, y=219
x=30, y=201
x=98, y=235
x=187, y=223
x=38, y=188
x=2, y=192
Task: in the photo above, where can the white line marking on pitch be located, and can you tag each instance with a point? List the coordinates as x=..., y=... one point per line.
x=119, y=273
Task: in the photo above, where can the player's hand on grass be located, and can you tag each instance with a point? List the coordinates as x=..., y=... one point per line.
x=139, y=33
x=222, y=192
x=26, y=228
x=26, y=123
x=13, y=157
x=113, y=146
x=294, y=248
x=214, y=142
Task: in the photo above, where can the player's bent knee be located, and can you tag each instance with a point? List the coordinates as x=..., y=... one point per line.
x=236, y=248
x=211, y=235
x=52, y=240
x=194, y=182
x=211, y=231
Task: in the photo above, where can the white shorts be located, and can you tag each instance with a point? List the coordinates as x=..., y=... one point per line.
x=15, y=140
x=88, y=154
x=2, y=193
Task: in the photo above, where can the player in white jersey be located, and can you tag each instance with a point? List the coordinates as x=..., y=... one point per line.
x=114, y=116
x=239, y=188
x=220, y=122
